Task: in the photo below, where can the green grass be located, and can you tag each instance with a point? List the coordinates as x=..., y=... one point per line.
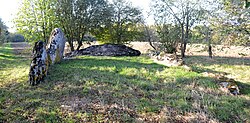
x=236, y=68
x=13, y=69
x=124, y=89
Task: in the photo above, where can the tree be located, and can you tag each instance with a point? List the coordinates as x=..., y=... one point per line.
x=233, y=26
x=124, y=21
x=35, y=19
x=208, y=40
x=169, y=37
x=150, y=35
x=203, y=33
x=182, y=13
x=3, y=29
x=2, y=25
x=80, y=17
x=91, y=15
x=66, y=19
x=17, y=38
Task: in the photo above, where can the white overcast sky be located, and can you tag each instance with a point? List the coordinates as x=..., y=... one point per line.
x=9, y=8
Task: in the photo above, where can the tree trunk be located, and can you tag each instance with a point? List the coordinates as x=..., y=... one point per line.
x=149, y=38
x=182, y=41
x=151, y=44
x=186, y=34
x=71, y=45
x=80, y=41
x=78, y=38
x=56, y=46
x=210, y=53
x=119, y=28
x=119, y=38
x=44, y=34
x=79, y=45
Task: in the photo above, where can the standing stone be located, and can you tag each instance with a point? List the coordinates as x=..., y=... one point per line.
x=55, y=47
x=39, y=64
x=42, y=57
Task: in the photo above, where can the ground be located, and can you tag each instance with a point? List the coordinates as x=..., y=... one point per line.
x=121, y=89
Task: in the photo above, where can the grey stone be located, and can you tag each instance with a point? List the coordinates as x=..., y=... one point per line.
x=231, y=87
x=42, y=57
x=56, y=44
x=39, y=64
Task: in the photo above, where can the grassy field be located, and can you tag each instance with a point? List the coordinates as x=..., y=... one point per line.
x=123, y=89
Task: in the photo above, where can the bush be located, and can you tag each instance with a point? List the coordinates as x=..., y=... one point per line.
x=169, y=36
x=17, y=38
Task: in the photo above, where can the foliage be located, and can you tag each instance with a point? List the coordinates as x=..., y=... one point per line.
x=121, y=89
x=2, y=26
x=164, y=13
x=81, y=17
x=232, y=27
x=169, y=37
x=229, y=23
x=36, y=19
x=66, y=19
x=14, y=37
x=203, y=34
x=114, y=23
x=3, y=29
x=147, y=33
x=124, y=23
x=17, y=38
x=196, y=35
x=182, y=13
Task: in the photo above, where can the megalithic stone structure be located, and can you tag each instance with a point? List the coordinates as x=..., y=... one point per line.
x=55, y=46
x=39, y=64
x=44, y=55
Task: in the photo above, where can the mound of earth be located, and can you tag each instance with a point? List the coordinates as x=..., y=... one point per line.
x=106, y=50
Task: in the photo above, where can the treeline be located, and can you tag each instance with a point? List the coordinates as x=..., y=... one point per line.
x=201, y=21
x=176, y=22
x=3, y=29
x=6, y=36
x=109, y=22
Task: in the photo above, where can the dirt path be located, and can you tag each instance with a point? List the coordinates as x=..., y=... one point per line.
x=21, y=48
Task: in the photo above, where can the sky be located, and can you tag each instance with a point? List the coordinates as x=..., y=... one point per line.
x=9, y=8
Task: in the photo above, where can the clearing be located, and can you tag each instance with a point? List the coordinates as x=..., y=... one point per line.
x=121, y=89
